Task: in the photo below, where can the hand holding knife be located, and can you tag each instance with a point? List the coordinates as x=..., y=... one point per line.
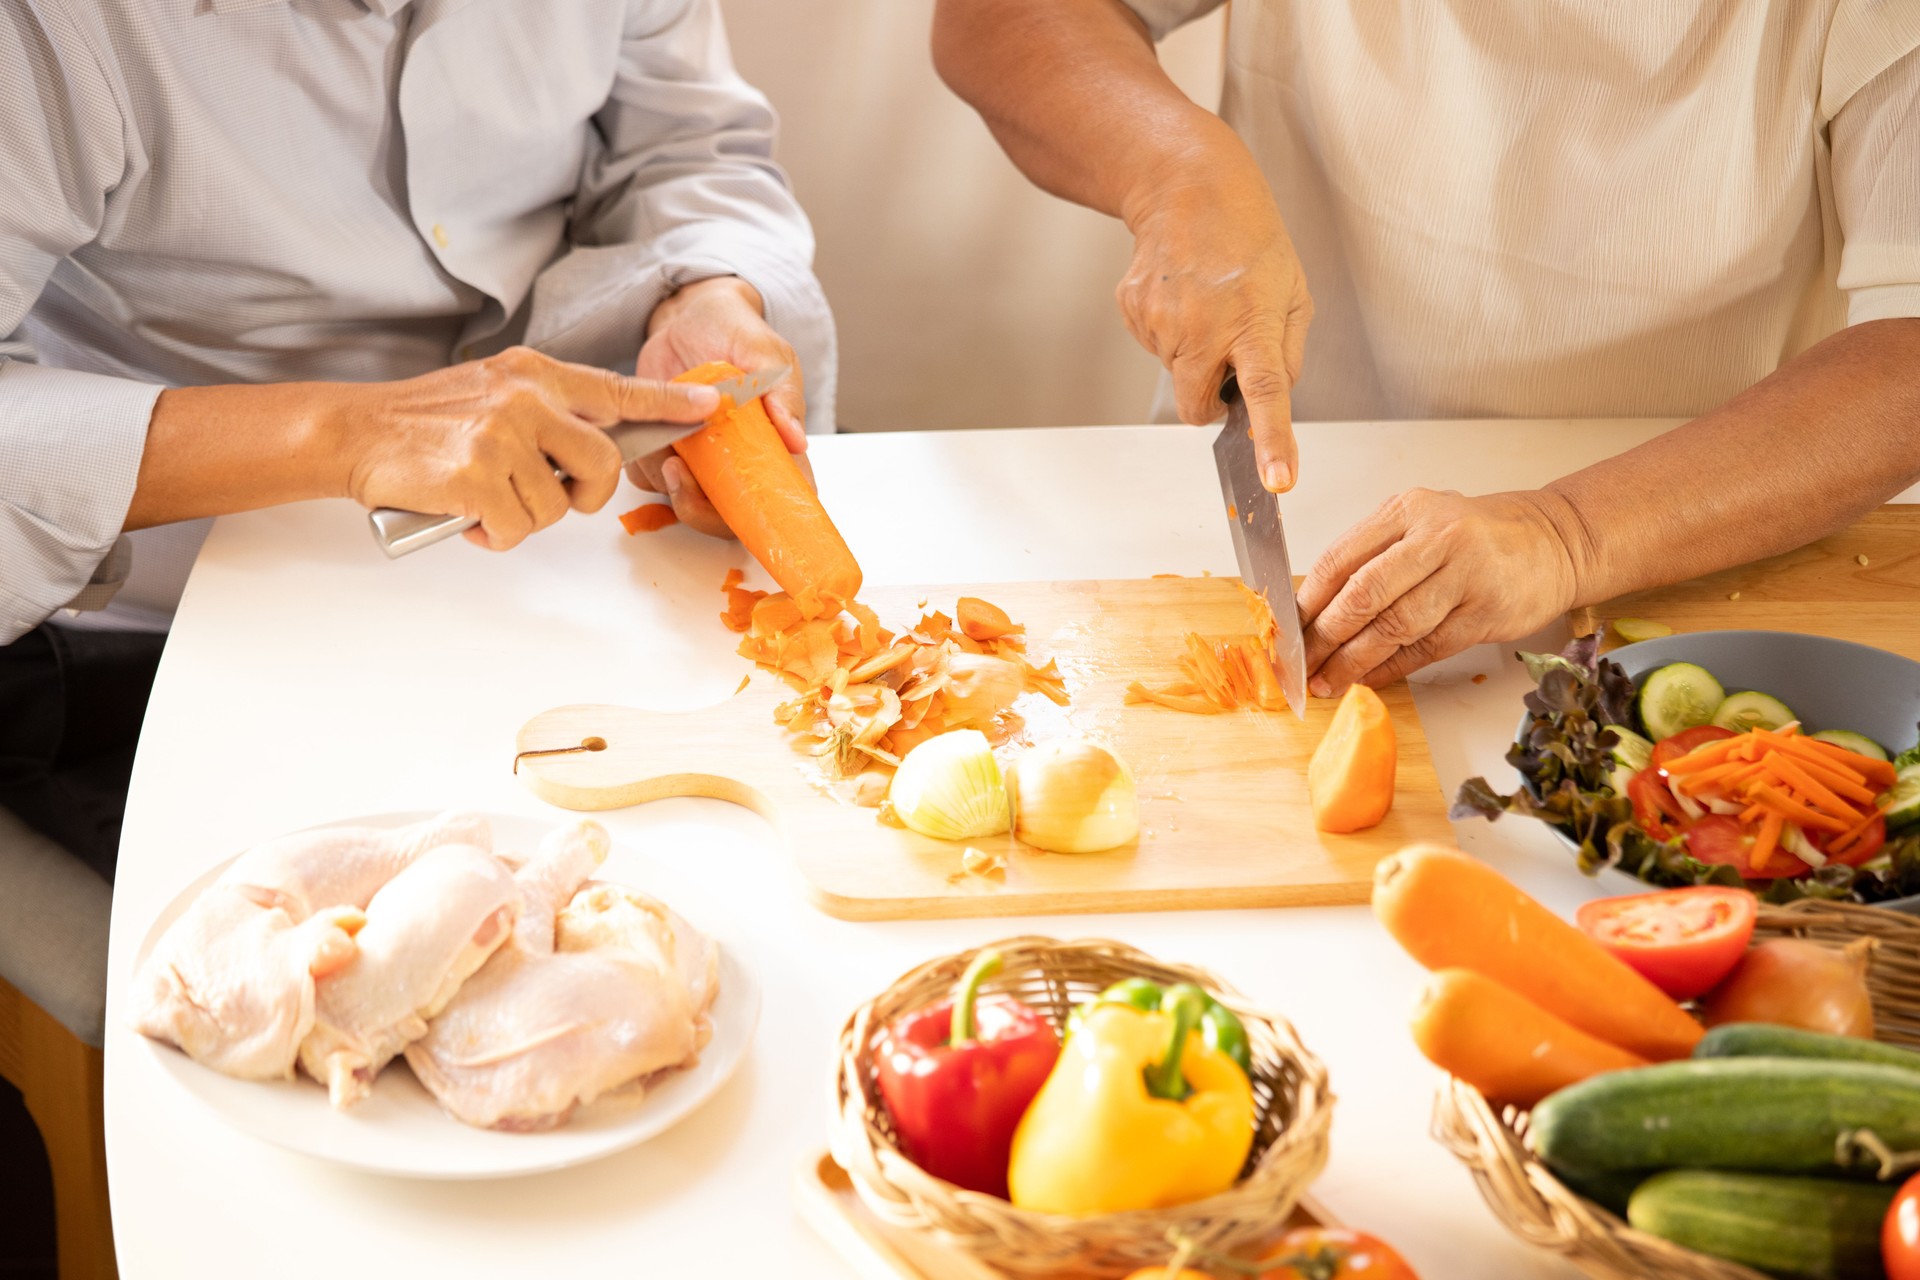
x=400, y=533
x=1260, y=542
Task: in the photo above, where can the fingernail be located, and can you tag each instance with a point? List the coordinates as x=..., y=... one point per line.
x=672, y=474
x=1279, y=477
x=703, y=399
x=1319, y=687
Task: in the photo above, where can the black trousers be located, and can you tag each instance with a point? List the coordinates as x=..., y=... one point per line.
x=71, y=703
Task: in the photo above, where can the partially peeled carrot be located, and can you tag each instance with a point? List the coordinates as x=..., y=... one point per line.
x=759, y=490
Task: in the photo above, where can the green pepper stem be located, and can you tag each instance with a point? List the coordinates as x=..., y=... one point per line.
x=985, y=964
x=1164, y=1078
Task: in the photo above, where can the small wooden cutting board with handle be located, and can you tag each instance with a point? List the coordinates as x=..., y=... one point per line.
x=1225, y=819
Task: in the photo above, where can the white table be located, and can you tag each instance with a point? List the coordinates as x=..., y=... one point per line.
x=308, y=679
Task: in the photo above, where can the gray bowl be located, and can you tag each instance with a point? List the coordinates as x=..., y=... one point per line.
x=1830, y=684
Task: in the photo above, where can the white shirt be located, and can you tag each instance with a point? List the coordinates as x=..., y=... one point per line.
x=277, y=190
x=1577, y=208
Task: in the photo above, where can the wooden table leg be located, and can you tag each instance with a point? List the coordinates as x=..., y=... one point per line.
x=60, y=1079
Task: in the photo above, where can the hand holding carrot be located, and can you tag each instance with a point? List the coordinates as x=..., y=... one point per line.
x=717, y=319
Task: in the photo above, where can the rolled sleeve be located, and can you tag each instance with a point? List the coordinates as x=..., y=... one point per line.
x=1875, y=139
x=682, y=187
x=1163, y=16
x=70, y=442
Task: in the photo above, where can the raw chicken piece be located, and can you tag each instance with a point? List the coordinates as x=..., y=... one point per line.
x=231, y=982
x=603, y=916
x=537, y=1032
x=428, y=929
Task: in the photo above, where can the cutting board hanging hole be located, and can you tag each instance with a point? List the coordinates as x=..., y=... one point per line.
x=586, y=744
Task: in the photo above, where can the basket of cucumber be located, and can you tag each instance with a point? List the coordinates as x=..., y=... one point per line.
x=1786, y=763
x=1771, y=1152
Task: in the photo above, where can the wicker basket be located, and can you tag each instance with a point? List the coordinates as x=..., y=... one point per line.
x=1523, y=1193
x=1293, y=1111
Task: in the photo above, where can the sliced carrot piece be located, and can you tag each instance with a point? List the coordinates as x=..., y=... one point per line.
x=1785, y=805
x=1880, y=771
x=982, y=621
x=1806, y=785
x=1350, y=779
x=1700, y=758
x=1705, y=777
x=1838, y=782
x=1767, y=841
x=1845, y=841
x=1138, y=693
x=648, y=517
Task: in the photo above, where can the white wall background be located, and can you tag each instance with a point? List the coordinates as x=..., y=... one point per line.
x=965, y=296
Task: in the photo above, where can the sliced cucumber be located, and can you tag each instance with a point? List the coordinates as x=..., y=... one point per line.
x=1634, y=630
x=1632, y=752
x=1678, y=696
x=1752, y=710
x=1903, y=802
x=1858, y=743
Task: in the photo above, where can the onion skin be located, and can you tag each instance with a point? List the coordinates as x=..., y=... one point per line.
x=1792, y=983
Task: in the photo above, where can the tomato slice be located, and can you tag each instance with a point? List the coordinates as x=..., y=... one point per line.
x=1688, y=740
x=1863, y=848
x=1900, y=1237
x=1684, y=941
x=1654, y=807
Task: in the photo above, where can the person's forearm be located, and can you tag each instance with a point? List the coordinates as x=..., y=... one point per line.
x=216, y=450
x=1806, y=451
x=1073, y=92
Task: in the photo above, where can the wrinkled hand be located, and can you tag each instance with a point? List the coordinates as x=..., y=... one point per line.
x=1215, y=284
x=718, y=319
x=482, y=439
x=1430, y=574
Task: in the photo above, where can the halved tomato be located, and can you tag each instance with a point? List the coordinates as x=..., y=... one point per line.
x=1684, y=941
x=1688, y=740
x=1900, y=1237
x=1654, y=807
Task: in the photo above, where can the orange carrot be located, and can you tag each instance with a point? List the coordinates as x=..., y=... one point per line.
x=648, y=518
x=1138, y=693
x=1704, y=757
x=1845, y=841
x=1843, y=784
x=1454, y=912
x=1787, y=807
x=1771, y=824
x=759, y=490
x=1806, y=785
x=1350, y=778
x=1502, y=1043
x=982, y=621
x=1871, y=770
x=1717, y=773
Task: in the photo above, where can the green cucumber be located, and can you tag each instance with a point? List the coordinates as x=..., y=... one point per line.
x=1758, y=1115
x=1677, y=696
x=1902, y=803
x=1752, y=710
x=1632, y=751
x=1803, y=1228
x=1858, y=743
x=1764, y=1040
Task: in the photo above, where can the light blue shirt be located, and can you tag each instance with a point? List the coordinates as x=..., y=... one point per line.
x=276, y=190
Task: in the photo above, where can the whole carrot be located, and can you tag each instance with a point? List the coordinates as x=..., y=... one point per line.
x=1504, y=1044
x=759, y=490
x=1454, y=912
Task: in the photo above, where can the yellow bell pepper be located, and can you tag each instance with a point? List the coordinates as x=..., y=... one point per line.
x=1138, y=1114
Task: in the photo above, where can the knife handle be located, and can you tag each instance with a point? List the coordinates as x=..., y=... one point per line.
x=400, y=532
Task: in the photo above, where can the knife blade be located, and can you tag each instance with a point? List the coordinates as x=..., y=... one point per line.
x=1260, y=542
x=401, y=532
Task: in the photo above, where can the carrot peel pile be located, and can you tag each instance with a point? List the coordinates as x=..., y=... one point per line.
x=868, y=695
x=1221, y=673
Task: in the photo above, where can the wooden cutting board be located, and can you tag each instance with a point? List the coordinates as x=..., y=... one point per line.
x=1224, y=809
x=1861, y=584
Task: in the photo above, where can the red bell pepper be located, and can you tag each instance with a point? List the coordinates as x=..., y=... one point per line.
x=957, y=1076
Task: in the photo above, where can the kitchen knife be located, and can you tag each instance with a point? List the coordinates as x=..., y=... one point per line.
x=400, y=532
x=1259, y=543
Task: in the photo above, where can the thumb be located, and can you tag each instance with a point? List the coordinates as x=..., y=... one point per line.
x=1268, y=391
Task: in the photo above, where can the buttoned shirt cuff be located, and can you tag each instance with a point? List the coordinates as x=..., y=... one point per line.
x=1883, y=302
x=70, y=447
x=592, y=306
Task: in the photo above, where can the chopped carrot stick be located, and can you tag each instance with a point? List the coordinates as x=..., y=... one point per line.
x=1842, y=843
x=1702, y=757
x=1867, y=767
x=1138, y=693
x=1785, y=805
x=1767, y=841
x=1751, y=812
x=1805, y=785
x=1836, y=781
x=1718, y=773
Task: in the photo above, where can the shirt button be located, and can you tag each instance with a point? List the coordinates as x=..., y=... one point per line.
x=440, y=235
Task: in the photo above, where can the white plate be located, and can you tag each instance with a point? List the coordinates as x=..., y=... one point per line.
x=401, y=1130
